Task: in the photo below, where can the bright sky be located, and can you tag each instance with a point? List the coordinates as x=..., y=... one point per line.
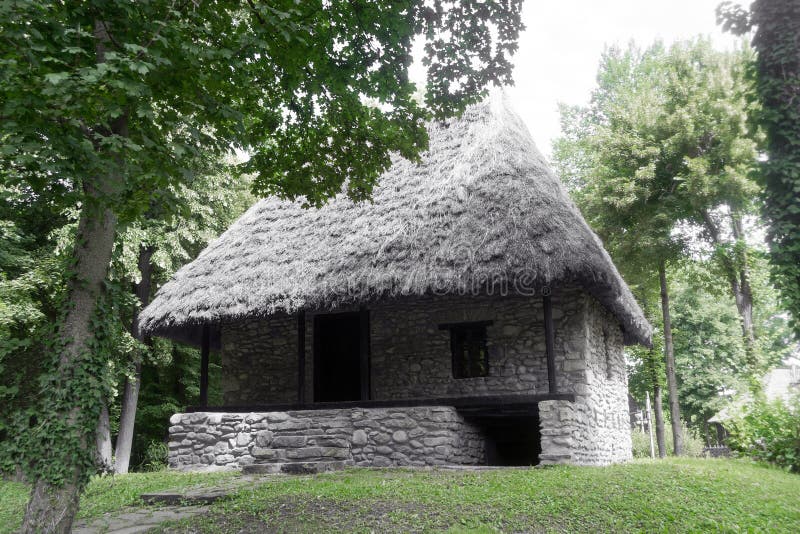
x=561, y=46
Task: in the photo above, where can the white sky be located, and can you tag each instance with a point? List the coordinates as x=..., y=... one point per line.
x=560, y=48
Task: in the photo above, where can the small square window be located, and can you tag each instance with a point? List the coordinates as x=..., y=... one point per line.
x=468, y=348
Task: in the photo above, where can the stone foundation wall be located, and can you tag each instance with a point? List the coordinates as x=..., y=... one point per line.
x=593, y=430
x=418, y=436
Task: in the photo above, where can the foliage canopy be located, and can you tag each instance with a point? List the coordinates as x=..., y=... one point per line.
x=777, y=75
x=288, y=81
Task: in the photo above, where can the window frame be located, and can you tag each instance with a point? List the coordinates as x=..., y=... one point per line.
x=461, y=333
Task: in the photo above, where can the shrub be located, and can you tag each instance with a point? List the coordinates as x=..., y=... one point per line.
x=155, y=456
x=641, y=443
x=769, y=431
x=692, y=443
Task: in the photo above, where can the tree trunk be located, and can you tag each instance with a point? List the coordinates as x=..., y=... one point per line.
x=52, y=507
x=659, y=410
x=130, y=399
x=743, y=294
x=105, y=458
x=130, y=396
x=738, y=274
x=672, y=383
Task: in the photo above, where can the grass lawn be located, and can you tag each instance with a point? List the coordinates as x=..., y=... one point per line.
x=104, y=494
x=671, y=495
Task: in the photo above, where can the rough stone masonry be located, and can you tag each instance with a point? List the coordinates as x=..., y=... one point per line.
x=417, y=436
x=410, y=358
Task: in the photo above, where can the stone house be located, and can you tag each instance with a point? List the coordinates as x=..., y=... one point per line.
x=467, y=315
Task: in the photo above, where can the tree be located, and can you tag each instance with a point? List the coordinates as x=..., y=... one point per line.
x=777, y=73
x=117, y=100
x=669, y=353
x=33, y=232
x=715, y=149
x=32, y=247
x=130, y=392
x=711, y=356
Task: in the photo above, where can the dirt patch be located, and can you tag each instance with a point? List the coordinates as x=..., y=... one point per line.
x=297, y=514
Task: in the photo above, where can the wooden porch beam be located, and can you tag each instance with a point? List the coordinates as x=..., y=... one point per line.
x=301, y=358
x=549, y=339
x=205, y=347
x=501, y=402
x=364, y=353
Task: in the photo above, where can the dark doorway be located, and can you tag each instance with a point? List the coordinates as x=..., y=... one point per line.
x=338, y=348
x=514, y=440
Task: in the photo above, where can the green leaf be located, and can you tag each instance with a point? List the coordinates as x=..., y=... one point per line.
x=56, y=78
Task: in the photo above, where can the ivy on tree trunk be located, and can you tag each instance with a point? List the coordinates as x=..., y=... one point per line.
x=777, y=72
x=669, y=355
x=658, y=407
x=68, y=435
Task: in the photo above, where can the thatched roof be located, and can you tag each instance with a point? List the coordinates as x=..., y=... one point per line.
x=482, y=204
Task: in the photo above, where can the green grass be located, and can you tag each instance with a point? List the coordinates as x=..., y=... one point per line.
x=672, y=495
x=105, y=494
x=685, y=495
x=13, y=497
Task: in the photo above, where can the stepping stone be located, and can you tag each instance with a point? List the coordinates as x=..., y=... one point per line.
x=197, y=495
x=189, y=498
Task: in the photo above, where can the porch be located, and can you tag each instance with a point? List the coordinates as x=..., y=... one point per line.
x=344, y=375
x=428, y=351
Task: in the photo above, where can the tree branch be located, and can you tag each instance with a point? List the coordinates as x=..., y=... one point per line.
x=157, y=34
x=256, y=13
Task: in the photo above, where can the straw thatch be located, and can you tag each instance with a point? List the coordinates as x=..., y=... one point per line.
x=481, y=205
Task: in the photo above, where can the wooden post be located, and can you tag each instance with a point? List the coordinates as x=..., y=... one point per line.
x=549, y=339
x=301, y=358
x=205, y=346
x=364, y=353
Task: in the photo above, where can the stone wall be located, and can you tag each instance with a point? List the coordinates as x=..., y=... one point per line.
x=259, y=361
x=593, y=430
x=418, y=436
x=409, y=355
x=410, y=358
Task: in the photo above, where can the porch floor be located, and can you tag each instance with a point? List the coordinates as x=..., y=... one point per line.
x=486, y=405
